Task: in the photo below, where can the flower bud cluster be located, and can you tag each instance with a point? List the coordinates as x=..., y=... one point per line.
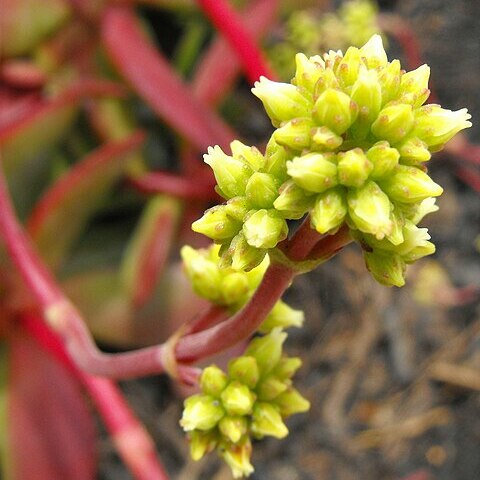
x=251, y=400
x=231, y=288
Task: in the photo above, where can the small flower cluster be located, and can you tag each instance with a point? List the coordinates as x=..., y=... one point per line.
x=229, y=288
x=352, y=136
x=251, y=400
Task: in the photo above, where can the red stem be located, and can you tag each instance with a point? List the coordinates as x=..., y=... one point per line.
x=132, y=440
x=229, y=23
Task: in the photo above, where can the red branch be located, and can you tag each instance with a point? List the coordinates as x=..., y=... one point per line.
x=229, y=23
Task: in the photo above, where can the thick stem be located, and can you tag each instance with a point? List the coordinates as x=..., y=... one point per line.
x=132, y=440
x=229, y=23
x=305, y=239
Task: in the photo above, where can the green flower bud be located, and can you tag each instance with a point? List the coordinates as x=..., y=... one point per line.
x=367, y=94
x=428, y=248
x=250, y=155
x=276, y=159
x=237, y=457
x=234, y=428
x=413, y=152
x=245, y=370
x=262, y=190
x=347, y=70
x=267, y=350
x=374, y=53
x=390, y=78
x=398, y=222
x=237, y=399
x=410, y=185
x=282, y=101
x=414, y=86
x=201, y=412
x=266, y=420
x=393, y=123
x=216, y=224
x=329, y=210
x=282, y=316
x=291, y=402
x=335, y=110
x=271, y=387
x=293, y=202
x=203, y=273
x=369, y=208
x=314, y=172
x=243, y=256
x=307, y=71
x=231, y=174
x=324, y=138
x=264, y=229
x=234, y=288
x=294, y=134
x=213, y=381
x=436, y=126
x=201, y=443
x=384, y=159
x=353, y=168
x=327, y=81
x=286, y=367
x=237, y=208
x=387, y=269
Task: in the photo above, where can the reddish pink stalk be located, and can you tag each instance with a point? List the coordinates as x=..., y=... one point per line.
x=175, y=185
x=470, y=176
x=153, y=78
x=132, y=440
x=229, y=23
x=219, y=60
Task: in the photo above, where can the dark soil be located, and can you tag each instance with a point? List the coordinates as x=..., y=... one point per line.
x=394, y=380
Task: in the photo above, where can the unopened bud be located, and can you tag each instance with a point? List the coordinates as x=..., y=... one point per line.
x=271, y=387
x=201, y=443
x=324, y=138
x=329, y=210
x=262, y=190
x=245, y=370
x=243, y=256
x=374, y=53
x=353, y=168
x=291, y=402
x=347, y=70
x=264, y=229
x=237, y=208
x=389, y=78
x=314, y=172
x=307, y=71
x=413, y=152
x=293, y=202
x=286, y=367
x=237, y=457
x=393, y=123
x=387, y=268
x=414, y=86
x=282, y=316
x=267, y=350
x=234, y=288
x=201, y=412
x=335, y=110
x=294, y=134
x=266, y=420
x=234, y=428
x=237, y=399
x=213, y=381
x=276, y=159
x=216, y=224
x=384, y=159
x=251, y=155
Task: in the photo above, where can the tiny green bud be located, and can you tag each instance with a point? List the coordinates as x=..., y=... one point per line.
x=324, y=138
x=201, y=412
x=282, y=101
x=329, y=210
x=428, y=248
x=389, y=78
x=291, y=402
x=237, y=208
x=387, y=268
x=369, y=208
x=286, y=367
x=282, y=316
x=231, y=174
x=314, y=172
x=410, y=185
x=374, y=53
x=213, y=381
x=393, y=123
x=234, y=288
x=216, y=224
x=413, y=152
x=347, y=70
x=294, y=134
x=327, y=80
x=335, y=110
x=264, y=229
x=353, y=168
x=384, y=159
x=237, y=399
x=276, y=159
x=244, y=257
x=271, y=387
x=267, y=350
x=251, y=155
x=436, y=126
x=234, y=428
x=293, y=202
x=245, y=370
x=201, y=443
x=307, y=71
x=398, y=222
x=414, y=86
x=237, y=457
x=262, y=190
x=266, y=420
